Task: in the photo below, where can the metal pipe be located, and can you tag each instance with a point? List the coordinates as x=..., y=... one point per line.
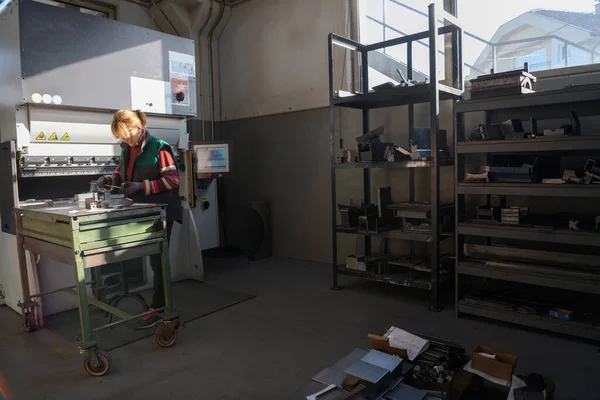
x=204, y=25
x=127, y=319
x=211, y=72
x=56, y=291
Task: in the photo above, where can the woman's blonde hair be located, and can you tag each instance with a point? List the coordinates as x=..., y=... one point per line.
x=124, y=121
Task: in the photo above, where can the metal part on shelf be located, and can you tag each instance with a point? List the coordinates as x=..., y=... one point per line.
x=504, y=83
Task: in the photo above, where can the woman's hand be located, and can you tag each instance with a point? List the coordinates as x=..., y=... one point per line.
x=129, y=188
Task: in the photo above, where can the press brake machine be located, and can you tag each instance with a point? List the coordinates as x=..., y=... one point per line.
x=62, y=75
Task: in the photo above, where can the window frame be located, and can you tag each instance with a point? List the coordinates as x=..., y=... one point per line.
x=453, y=7
x=105, y=8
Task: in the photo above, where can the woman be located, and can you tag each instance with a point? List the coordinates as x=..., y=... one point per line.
x=147, y=173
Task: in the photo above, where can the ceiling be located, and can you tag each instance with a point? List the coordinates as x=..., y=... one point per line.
x=231, y=3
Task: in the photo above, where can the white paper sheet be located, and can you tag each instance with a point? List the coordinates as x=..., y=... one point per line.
x=401, y=339
x=516, y=384
x=485, y=376
x=316, y=395
x=182, y=64
x=150, y=95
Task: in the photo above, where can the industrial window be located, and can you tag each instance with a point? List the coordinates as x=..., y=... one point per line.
x=548, y=34
x=86, y=7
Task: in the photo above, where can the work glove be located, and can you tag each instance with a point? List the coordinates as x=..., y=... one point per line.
x=103, y=181
x=129, y=188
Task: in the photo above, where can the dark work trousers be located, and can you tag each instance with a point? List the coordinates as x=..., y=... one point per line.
x=158, y=299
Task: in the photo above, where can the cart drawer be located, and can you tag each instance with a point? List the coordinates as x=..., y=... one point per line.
x=121, y=230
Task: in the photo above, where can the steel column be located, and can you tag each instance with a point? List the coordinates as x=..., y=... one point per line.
x=434, y=115
x=366, y=127
x=332, y=167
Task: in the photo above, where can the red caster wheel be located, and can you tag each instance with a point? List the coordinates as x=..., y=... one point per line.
x=29, y=322
x=101, y=369
x=166, y=337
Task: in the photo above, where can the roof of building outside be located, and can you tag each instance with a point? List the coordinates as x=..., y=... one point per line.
x=588, y=21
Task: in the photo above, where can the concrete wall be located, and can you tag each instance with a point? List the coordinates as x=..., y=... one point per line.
x=133, y=13
x=273, y=56
x=273, y=60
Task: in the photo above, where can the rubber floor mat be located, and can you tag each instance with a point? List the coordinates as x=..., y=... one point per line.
x=193, y=299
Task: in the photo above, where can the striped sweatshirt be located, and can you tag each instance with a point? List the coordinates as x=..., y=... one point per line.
x=168, y=170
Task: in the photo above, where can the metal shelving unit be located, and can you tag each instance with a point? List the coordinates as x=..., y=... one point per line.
x=519, y=265
x=423, y=277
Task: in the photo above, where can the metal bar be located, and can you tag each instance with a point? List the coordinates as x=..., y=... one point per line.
x=539, y=99
x=394, y=234
x=80, y=287
x=110, y=309
x=530, y=189
x=533, y=275
x=56, y=291
x=411, y=38
x=82, y=299
x=542, y=322
x=171, y=313
x=434, y=115
x=409, y=61
x=530, y=234
x=346, y=43
x=397, y=41
x=383, y=17
x=459, y=201
x=446, y=16
x=366, y=128
x=121, y=321
x=539, y=144
x=526, y=255
x=411, y=126
x=332, y=138
x=22, y=261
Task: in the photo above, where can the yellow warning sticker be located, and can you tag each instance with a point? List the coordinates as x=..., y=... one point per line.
x=65, y=137
x=41, y=136
x=54, y=136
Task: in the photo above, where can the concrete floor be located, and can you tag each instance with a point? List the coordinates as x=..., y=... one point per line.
x=269, y=347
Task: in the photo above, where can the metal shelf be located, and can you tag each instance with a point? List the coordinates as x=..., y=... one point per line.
x=564, y=236
x=575, y=328
x=538, y=144
x=542, y=275
x=393, y=234
x=530, y=189
x=392, y=165
x=399, y=96
x=415, y=236
x=430, y=93
x=578, y=94
x=405, y=279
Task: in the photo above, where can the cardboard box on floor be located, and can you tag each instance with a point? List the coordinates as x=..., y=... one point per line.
x=501, y=367
x=382, y=343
